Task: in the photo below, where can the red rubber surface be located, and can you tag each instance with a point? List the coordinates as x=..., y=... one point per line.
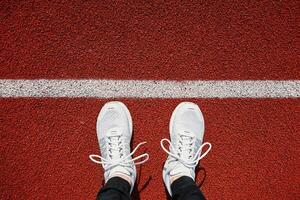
x=149, y=40
x=45, y=145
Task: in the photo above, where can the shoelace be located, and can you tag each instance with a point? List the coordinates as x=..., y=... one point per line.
x=186, y=146
x=113, y=146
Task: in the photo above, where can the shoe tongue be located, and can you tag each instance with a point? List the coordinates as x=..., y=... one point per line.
x=181, y=170
x=120, y=170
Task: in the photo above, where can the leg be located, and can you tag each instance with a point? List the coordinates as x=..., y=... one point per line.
x=114, y=132
x=115, y=188
x=184, y=188
x=186, y=133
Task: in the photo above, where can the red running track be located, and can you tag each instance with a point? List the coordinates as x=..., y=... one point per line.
x=45, y=144
x=149, y=40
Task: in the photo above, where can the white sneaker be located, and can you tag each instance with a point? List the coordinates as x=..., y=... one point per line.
x=114, y=131
x=186, y=133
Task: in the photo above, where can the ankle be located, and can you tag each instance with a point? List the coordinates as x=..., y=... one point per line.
x=174, y=178
x=123, y=176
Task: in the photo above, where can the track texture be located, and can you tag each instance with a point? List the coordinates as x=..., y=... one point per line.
x=150, y=40
x=45, y=143
x=45, y=148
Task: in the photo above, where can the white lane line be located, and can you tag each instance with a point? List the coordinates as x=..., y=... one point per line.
x=149, y=89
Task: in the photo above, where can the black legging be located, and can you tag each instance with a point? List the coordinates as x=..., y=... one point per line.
x=183, y=188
